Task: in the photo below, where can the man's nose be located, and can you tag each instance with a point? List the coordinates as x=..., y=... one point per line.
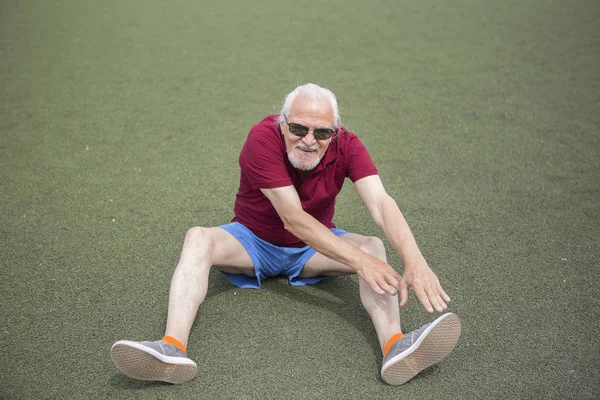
x=309, y=139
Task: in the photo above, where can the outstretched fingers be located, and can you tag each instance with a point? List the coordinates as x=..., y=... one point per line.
x=377, y=288
x=444, y=295
x=383, y=286
x=423, y=298
x=432, y=299
x=403, y=293
x=385, y=282
x=437, y=302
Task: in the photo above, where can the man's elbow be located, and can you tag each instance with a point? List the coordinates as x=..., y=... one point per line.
x=291, y=220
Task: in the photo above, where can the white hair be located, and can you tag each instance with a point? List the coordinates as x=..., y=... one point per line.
x=312, y=92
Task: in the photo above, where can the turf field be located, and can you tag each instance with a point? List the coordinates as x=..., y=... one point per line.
x=120, y=127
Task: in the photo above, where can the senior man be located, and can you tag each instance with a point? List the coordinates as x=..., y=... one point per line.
x=293, y=166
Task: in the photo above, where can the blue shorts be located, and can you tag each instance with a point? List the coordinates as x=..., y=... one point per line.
x=270, y=260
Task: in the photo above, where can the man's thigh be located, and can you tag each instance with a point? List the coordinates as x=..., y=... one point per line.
x=322, y=265
x=229, y=255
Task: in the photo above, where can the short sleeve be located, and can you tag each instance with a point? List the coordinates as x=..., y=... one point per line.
x=359, y=163
x=262, y=160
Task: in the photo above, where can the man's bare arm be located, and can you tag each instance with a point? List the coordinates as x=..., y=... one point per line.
x=417, y=274
x=382, y=277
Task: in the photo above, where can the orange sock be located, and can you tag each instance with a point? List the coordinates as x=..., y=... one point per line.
x=175, y=342
x=391, y=342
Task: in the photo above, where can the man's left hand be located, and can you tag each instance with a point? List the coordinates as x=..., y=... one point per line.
x=419, y=277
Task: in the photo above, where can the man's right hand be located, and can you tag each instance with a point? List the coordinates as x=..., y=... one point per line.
x=380, y=275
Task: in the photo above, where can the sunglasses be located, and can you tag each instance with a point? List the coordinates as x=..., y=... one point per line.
x=301, y=130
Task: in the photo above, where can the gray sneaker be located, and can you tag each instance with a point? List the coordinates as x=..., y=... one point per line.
x=153, y=361
x=420, y=349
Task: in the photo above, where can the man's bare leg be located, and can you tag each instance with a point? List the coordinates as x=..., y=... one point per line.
x=202, y=249
x=166, y=360
x=403, y=356
x=383, y=309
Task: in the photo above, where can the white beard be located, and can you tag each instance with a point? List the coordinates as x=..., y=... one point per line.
x=303, y=167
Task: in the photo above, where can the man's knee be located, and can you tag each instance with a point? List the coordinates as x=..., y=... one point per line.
x=374, y=246
x=197, y=233
x=200, y=239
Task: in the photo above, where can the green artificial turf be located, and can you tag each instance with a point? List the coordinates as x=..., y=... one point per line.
x=120, y=127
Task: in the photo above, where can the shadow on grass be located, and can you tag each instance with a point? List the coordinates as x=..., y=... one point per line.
x=120, y=381
x=349, y=306
x=339, y=295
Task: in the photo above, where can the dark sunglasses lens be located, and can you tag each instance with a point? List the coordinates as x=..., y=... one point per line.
x=322, y=134
x=298, y=130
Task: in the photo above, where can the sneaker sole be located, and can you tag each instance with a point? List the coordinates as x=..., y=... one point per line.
x=438, y=340
x=140, y=362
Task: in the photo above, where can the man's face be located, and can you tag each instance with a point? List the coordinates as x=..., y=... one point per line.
x=306, y=152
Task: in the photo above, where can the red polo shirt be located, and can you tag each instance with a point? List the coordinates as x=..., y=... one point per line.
x=264, y=164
